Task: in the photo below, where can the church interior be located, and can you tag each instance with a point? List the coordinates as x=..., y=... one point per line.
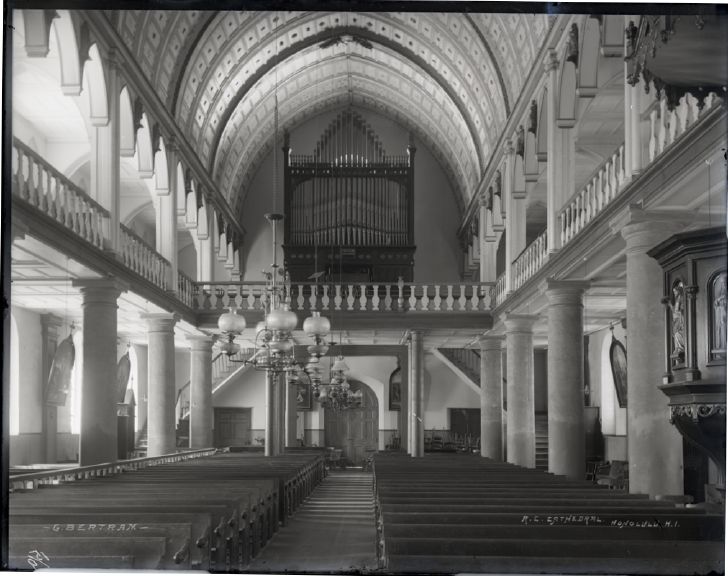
x=364, y=291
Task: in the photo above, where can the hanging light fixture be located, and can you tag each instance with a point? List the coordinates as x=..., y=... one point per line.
x=274, y=344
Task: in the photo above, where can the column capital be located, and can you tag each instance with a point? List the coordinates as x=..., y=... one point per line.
x=482, y=200
x=160, y=321
x=491, y=342
x=50, y=320
x=564, y=291
x=644, y=229
x=508, y=148
x=416, y=333
x=200, y=343
x=101, y=289
x=519, y=322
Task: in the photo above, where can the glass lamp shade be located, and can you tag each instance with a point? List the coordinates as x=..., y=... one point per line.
x=282, y=319
x=316, y=325
x=317, y=350
x=231, y=322
x=229, y=347
x=282, y=346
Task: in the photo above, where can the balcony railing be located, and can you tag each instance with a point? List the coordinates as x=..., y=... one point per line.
x=530, y=261
x=500, y=289
x=366, y=297
x=185, y=289
x=601, y=189
x=143, y=259
x=42, y=186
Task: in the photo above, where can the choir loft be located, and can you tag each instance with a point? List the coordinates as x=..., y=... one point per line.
x=398, y=292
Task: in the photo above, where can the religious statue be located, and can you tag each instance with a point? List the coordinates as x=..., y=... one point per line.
x=719, y=312
x=677, y=310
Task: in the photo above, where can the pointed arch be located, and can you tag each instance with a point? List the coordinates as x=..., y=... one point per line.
x=182, y=190
x=145, y=156
x=203, y=220
x=127, y=128
x=191, y=204
x=566, y=101
x=161, y=172
x=37, y=28
x=94, y=83
x=589, y=58
x=68, y=54
x=542, y=130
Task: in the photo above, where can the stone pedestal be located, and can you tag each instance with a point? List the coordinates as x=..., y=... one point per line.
x=520, y=420
x=566, y=378
x=653, y=444
x=491, y=398
x=98, y=441
x=161, y=437
x=200, y=391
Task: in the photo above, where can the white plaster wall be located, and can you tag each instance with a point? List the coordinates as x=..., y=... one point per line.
x=443, y=389
x=246, y=390
x=603, y=393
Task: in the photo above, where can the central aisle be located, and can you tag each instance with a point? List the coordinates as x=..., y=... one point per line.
x=334, y=530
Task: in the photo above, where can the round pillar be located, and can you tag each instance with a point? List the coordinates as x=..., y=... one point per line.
x=491, y=411
x=161, y=438
x=271, y=414
x=567, y=454
x=416, y=400
x=200, y=391
x=520, y=419
x=654, y=446
x=98, y=439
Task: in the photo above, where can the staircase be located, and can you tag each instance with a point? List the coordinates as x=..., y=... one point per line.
x=467, y=361
x=140, y=447
x=542, y=441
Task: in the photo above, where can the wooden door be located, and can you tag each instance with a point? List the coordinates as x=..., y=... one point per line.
x=232, y=427
x=355, y=430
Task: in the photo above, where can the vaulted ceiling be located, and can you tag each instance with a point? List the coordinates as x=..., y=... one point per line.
x=451, y=78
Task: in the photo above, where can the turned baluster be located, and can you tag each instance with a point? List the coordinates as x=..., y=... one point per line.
x=363, y=297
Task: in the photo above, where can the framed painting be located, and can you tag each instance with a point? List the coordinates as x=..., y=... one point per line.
x=304, y=398
x=618, y=360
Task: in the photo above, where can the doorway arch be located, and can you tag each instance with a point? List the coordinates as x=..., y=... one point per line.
x=355, y=431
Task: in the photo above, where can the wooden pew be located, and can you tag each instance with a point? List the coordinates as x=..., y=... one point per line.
x=470, y=514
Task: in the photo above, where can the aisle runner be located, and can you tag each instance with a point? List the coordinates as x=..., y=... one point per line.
x=333, y=531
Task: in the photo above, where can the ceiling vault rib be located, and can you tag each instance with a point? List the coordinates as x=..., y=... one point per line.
x=174, y=96
x=327, y=33
x=494, y=60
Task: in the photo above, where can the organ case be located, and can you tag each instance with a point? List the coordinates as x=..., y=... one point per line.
x=349, y=207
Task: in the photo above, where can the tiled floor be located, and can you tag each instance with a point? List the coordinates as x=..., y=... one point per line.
x=334, y=530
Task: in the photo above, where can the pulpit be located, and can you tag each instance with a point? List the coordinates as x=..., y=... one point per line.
x=694, y=265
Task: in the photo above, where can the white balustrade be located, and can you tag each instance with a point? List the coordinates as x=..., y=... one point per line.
x=141, y=258
x=606, y=183
x=500, y=290
x=45, y=188
x=185, y=288
x=532, y=258
x=364, y=297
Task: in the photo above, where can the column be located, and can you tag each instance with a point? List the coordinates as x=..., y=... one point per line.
x=281, y=395
x=403, y=417
x=200, y=391
x=50, y=333
x=407, y=406
x=161, y=437
x=520, y=419
x=515, y=217
x=291, y=413
x=491, y=401
x=106, y=157
x=98, y=395
x=654, y=446
x=567, y=455
x=416, y=400
x=632, y=138
x=553, y=223
x=487, y=255
x=271, y=411
x=167, y=216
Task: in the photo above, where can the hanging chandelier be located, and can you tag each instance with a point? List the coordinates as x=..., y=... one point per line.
x=337, y=394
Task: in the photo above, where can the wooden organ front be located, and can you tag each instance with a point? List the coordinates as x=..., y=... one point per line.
x=349, y=207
